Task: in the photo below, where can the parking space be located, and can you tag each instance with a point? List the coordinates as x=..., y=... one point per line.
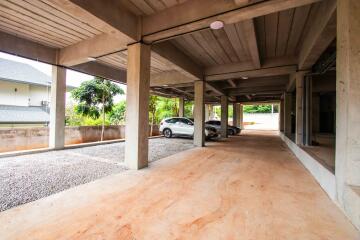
x=30, y=177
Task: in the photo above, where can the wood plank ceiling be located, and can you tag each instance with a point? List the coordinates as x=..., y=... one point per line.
x=42, y=22
x=279, y=34
x=148, y=7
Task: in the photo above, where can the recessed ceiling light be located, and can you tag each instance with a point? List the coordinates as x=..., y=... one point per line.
x=165, y=85
x=245, y=77
x=91, y=59
x=216, y=25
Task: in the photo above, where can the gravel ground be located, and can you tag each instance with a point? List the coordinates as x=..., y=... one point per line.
x=30, y=177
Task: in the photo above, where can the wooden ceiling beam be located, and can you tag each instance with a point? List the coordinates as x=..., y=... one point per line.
x=263, y=72
x=121, y=28
x=214, y=89
x=257, y=90
x=169, y=78
x=25, y=48
x=250, y=35
x=320, y=35
x=101, y=70
x=231, y=83
x=247, y=66
x=180, y=61
x=95, y=47
x=193, y=16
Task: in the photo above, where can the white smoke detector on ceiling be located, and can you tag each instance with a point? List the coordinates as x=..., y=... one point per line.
x=216, y=25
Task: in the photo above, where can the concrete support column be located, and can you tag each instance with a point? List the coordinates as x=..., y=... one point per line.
x=181, y=107
x=287, y=114
x=224, y=116
x=299, y=126
x=199, y=114
x=137, y=104
x=207, y=112
x=57, y=108
x=281, y=116
x=241, y=116
x=308, y=111
x=236, y=114
x=347, y=164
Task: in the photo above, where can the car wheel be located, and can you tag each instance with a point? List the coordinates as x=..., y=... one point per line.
x=231, y=132
x=167, y=133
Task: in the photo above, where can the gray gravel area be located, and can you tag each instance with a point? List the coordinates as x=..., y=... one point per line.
x=30, y=177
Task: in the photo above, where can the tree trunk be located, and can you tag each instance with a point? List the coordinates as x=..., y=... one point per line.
x=103, y=119
x=152, y=124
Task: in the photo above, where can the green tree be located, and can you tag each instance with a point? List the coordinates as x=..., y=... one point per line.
x=96, y=98
x=118, y=113
x=167, y=107
x=189, y=109
x=153, y=102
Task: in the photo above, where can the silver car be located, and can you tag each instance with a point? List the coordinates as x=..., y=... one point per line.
x=217, y=125
x=181, y=126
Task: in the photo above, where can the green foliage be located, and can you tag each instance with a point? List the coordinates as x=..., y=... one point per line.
x=117, y=115
x=153, y=102
x=259, y=108
x=188, y=109
x=95, y=97
x=75, y=119
x=167, y=107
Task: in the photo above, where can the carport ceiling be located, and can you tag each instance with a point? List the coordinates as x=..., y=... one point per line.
x=263, y=41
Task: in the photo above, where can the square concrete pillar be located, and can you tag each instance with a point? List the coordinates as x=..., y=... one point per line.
x=236, y=114
x=307, y=111
x=207, y=112
x=241, y=116
x=287, y=114
x=224, y=116
x=137, y=105
x=299, y=126
x=57, y=108
x=181, y=107
x=199, y=114
x=347, y=163
x=281, y=116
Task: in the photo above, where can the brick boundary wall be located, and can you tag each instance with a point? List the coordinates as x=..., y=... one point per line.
x=17, y=139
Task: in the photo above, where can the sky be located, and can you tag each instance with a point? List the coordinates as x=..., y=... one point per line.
x=73, y=78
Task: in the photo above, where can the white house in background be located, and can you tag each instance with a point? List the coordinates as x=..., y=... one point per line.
x=24, y=94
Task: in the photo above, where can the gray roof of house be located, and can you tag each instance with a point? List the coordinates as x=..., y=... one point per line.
x=22, y=72
x=22, y=114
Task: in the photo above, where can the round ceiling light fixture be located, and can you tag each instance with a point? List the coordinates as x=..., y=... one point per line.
x=91, y=59
x=217, y=25
x=245, y=78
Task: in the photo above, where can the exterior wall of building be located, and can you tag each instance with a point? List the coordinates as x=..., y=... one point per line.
x=38, y=94
x=15, y=94
x=16, y=139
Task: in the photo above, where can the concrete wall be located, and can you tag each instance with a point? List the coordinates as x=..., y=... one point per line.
x=323, y=176
x=16, y=139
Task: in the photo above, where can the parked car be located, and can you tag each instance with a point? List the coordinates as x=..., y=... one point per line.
x=217, y=124
x=181, y=126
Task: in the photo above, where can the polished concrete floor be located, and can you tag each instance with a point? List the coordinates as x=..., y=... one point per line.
x=245, y=187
